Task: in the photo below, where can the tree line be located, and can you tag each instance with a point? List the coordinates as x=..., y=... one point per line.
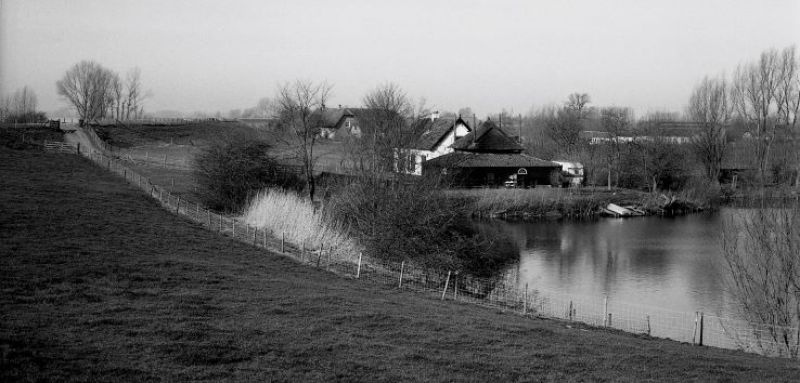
x=21, y=107
x=97, y=92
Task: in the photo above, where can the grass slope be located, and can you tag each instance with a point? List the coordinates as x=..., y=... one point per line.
x=99, y=283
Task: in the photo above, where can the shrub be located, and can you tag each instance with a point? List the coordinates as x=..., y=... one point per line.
x=410, y=219
x=232, y=169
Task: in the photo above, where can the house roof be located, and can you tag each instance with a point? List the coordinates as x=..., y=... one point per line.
x=433, y=131
x=461, y=159
x=330, y=117
x=488, y=138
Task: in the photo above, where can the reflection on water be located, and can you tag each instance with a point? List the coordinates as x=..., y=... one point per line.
x=670, y=263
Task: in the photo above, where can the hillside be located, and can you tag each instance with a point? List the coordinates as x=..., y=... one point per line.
x=100, y=283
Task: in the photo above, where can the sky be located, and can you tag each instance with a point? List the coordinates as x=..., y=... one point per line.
x=488, y=55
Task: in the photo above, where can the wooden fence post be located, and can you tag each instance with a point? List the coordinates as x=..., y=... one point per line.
x=525, y=303
x=402, y=266
x=647, y=317
x=609, y=319
x=446, y=283
x=455, y=286
x=358, y=271
x=570, y=311
x=283, y=242
x=78, y=149
x=701, y=327
x=605, y=311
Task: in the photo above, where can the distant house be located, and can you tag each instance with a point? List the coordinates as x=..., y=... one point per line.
x=436, y=139
x=338, y=122
x=573, y=171
x=485, y=156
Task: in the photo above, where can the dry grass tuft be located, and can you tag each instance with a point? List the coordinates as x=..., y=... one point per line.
x=288, y=213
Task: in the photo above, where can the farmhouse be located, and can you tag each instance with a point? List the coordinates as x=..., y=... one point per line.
x=436, y=139
x=485, y=156
x=338, y=122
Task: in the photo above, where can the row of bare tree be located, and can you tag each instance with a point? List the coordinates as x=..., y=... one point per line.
x=97, y=92
x=764, y=96
x=21, y=106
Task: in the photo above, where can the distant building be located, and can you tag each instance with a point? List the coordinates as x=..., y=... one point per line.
x=573, y=171
x=436, y=139
x=485, y=156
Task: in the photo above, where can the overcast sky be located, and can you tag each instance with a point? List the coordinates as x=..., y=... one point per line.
x=489, y=55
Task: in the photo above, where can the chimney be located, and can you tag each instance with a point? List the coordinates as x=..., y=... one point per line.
x=434, y=115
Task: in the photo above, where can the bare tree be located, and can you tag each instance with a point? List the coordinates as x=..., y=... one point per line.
x=24, y=101
x=116, y=90
x=134, y=94
x=710, y=106
x=755, y=87
x=788, y=92
x=384, y=126
x=760, y=248
x=20, y=106
x=577, y=102
x=616, y=121
x=296, y=105
x=86, y=86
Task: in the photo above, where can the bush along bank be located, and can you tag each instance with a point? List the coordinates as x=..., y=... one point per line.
x=545, y=203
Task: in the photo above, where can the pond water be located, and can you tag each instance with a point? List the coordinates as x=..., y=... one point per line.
x=672, y=263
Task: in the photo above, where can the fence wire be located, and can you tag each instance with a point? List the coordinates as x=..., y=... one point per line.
x=505, y=294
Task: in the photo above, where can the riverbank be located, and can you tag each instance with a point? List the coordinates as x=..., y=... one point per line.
x=558, y=203
x=103, y=284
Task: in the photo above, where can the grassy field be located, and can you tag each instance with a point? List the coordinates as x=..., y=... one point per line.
x=100, y=284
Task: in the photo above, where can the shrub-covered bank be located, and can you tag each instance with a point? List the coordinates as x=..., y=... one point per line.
x=553, y=203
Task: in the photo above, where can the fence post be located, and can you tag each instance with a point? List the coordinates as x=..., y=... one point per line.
x=570, y=311
x=358, y=271
x=79, y=148
x=609, y=319
x=605, y=312
x=402, y=266
x=178, y=207
x=647, y=317
x=701, y=327
x=283, y=242
x=694, y=333
x=446, y=283
x=455, y=286
x=525, y=302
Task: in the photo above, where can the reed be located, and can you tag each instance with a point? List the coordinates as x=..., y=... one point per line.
x=286, y=213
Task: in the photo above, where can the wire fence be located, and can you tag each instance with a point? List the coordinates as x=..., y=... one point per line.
x=503, y=293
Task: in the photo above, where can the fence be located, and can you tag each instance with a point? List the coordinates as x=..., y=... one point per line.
x=697, y=328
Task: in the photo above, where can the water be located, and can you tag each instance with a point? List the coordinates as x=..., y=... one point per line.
x=669, y=263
